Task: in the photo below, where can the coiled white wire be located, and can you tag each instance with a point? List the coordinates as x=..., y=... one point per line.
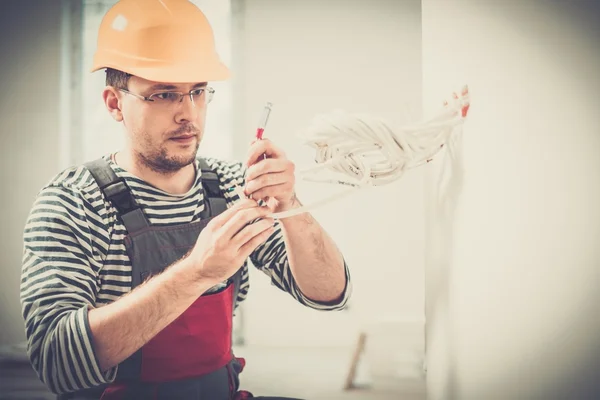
x=364, y=150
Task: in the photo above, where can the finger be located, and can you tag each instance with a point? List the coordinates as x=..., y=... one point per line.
x=260, y=147
x=241, y=218
x=250, y=231
x=228, y=214
x=275, y=191
x=256, y=241
x=266, y=166
x=265, y=180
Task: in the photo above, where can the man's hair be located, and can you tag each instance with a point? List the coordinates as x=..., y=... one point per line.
x=116, y=78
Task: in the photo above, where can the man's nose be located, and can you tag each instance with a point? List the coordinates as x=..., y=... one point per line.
x=187, y=110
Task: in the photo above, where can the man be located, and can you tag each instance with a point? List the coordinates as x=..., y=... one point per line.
x=134, y=263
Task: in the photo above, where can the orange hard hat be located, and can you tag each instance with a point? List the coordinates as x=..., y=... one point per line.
x=159, y=40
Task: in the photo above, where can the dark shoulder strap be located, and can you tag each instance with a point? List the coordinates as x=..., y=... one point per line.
x=214, y=200
x=215, y=204
x=118, y=193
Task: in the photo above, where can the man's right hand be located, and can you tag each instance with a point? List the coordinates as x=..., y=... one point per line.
x=228, y=239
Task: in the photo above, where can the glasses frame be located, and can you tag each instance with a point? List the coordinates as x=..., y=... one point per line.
x=210, y=92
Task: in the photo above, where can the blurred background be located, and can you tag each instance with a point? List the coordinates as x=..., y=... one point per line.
x=476, y=276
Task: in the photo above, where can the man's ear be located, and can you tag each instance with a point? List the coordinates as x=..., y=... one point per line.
x=112, y=101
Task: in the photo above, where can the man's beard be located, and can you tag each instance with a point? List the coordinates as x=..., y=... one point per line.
x=159, y=161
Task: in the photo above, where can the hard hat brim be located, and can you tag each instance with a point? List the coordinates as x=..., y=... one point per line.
x=176, y=73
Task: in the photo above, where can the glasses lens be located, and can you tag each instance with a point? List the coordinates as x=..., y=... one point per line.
x=166, y=97
x=202, y=96
x=199, y=97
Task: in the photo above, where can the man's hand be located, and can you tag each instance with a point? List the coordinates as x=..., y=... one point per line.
x=228, y=239
x=316, y=264
x=270, y=179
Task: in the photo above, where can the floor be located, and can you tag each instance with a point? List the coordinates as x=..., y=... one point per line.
x=311, y=374
x=320, y=374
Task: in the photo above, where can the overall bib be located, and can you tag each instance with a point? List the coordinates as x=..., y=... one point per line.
x=192, y=357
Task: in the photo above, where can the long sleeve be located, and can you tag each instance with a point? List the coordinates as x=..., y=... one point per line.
x=271, y=258
x=65, y=242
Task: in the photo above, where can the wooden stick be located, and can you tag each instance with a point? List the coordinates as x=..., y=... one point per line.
x=360, y=346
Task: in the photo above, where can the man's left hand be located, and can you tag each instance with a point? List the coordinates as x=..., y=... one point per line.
x=270, y=179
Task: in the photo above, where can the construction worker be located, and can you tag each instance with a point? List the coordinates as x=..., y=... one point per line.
x=134, y=263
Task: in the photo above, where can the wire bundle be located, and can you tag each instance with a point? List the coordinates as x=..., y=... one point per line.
x=363, y=150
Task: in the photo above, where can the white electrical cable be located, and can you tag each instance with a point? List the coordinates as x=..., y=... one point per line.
x=366, y=151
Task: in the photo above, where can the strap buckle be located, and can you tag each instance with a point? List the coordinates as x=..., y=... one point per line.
x=119, y=194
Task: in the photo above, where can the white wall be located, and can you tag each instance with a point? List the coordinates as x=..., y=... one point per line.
x=310, y=57
x=29, y=135
x=513, y=266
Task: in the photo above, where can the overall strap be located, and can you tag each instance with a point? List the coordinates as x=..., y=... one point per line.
x=215, y=204
x=119, y=194
x=214, y=201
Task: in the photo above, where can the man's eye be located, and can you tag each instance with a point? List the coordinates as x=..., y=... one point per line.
x=197, y=92
x=167, y=96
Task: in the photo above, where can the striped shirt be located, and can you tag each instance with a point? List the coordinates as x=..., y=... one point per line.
x=74, y=259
